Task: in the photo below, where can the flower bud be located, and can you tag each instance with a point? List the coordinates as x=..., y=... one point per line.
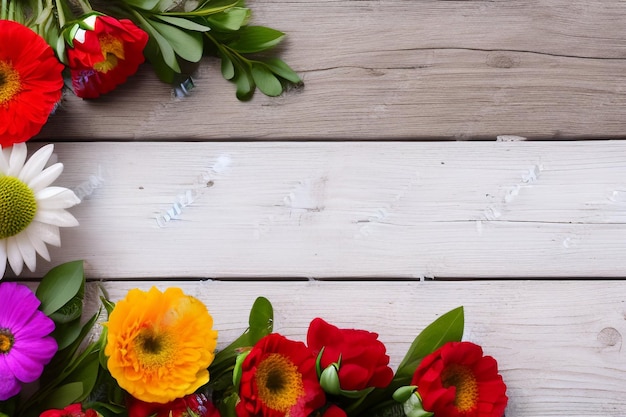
x=411, y=401
x=329, y=380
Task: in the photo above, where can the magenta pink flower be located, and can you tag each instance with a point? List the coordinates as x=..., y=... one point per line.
x=25, y=342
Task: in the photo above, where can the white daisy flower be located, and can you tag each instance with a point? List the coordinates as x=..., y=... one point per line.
x=31, y=211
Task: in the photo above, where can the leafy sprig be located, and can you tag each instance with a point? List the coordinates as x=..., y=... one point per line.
x=181, y=34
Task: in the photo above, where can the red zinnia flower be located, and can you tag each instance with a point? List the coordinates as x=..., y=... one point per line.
x=362, y=357
x=30, y=82
x=74, y=410
x=278, y=379
x=193, y=405
x=458, y=381
x=102, y=58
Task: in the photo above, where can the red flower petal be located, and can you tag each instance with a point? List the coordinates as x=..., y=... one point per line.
x=108, y=55
x=24, y=111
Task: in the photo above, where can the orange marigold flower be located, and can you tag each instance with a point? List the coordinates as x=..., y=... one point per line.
x=279, y=380
x=30, y=82
x=102, y=58
x=458, y=381
x=160, y=344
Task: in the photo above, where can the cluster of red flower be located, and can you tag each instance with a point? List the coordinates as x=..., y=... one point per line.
x=104, y=51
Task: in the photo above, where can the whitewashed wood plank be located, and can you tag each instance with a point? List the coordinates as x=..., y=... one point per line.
x=394, y=69
x=558, y=344
x=323, y=210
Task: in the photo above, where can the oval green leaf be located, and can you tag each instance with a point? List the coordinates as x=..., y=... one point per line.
x=60, y=285
x=266, y=81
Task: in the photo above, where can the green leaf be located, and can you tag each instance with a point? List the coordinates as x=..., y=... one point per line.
x=86, y=373
x=447, y=328
x=66, y=334
x=261, y=319
x=245, y=84
x=231, y=19
x=256, y=39
x=280, y=68
x=60, y=285
x=183, y=23
x=159, y=51
x=63, y=396
x=265, y=80
x=228, y=69
x=207, y=8
x=188, y=45
x=143, y=4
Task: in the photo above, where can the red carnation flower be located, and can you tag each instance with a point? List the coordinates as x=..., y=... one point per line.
x=102, y=58
x=364, y=361
x=30, y=82
x=458, y=381
x=73, y=410
x=193, y=405
x=278, y=379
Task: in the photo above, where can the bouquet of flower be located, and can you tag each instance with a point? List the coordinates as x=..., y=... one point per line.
x=96, y=47
x=157, y=355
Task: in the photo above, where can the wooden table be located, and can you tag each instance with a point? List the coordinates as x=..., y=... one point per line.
x=391, y=188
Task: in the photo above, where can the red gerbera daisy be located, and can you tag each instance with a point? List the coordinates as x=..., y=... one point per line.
x=279, y=379
x=458, y=381
x=30, y=82
x=104, y=56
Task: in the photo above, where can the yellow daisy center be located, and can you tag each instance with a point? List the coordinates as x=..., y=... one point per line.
x=113, y=50
x=10, y=83
x=279, y=382
x=466, y=385
x=154, y=349
x=6, y=341
x=18, y=206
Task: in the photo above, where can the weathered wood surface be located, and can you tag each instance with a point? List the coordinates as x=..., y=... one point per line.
x=548, y=69
x=279, y=207
x=347, y=209
x=558, y=344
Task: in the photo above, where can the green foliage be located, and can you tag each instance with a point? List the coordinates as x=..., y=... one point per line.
x=447, y=328
x=180, y=35
x=260, y=324
x=72, y=373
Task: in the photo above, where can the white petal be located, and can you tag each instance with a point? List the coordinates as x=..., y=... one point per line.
x=14, y=255
x=36, y=163
x=37, y=242
x=17, y=159
x=27, y=250
x=3, y=257
x=46, y=177
x=4, y=164
x=56, y=198
x=60, y=218
x=46, y=232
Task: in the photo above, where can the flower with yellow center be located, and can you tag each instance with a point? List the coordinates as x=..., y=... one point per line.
x=278, y=379
x=160, y=344
x=30, y=82
x=458, y=381
x=31, y=211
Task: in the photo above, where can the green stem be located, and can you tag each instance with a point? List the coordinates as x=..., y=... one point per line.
x=3, y=12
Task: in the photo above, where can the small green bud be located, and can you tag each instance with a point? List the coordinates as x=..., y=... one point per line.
x=329, y=380
x=402, y=394
x=413, y=407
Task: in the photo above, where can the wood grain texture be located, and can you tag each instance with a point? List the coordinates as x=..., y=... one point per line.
x=347, y=209
x=393, y=69
x=558, y=344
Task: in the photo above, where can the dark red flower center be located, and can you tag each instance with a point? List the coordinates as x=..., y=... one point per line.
x=463, y=379
x=112, y=50
x=279, y=382
x=10, y=83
